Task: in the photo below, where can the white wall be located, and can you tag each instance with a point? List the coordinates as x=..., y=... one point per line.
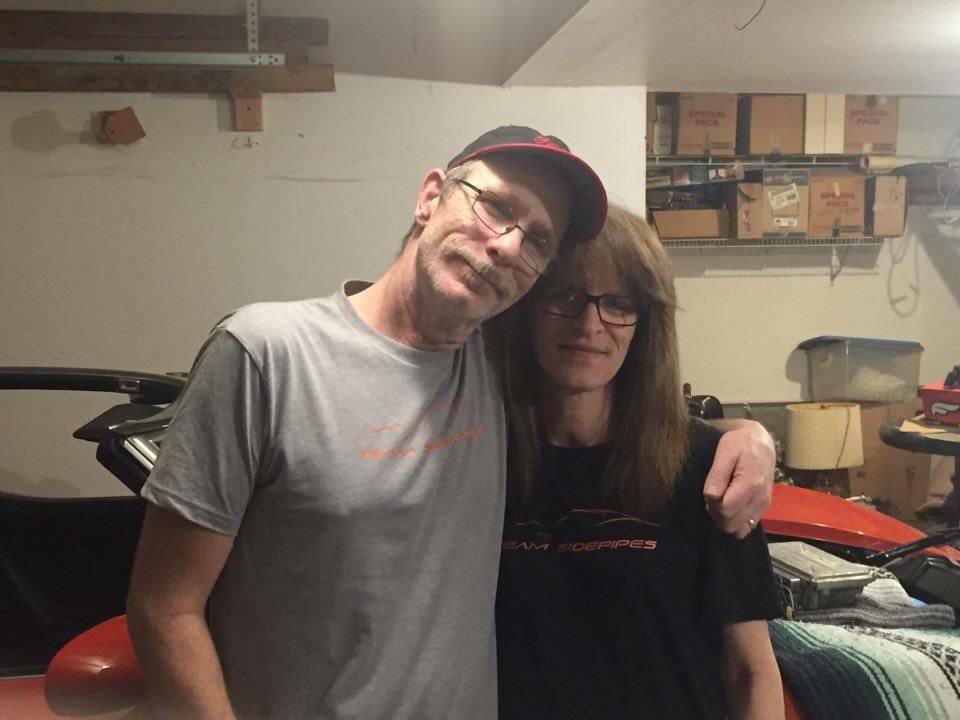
x=124, y=257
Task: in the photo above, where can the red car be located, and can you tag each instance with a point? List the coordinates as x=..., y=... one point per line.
x=65, y=563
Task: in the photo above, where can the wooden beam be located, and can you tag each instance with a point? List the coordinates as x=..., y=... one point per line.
x=310, y=31
x=164, y=79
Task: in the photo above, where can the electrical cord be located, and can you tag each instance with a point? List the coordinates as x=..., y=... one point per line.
x=743, y=27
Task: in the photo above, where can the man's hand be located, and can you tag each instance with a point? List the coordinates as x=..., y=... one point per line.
x=739, y=486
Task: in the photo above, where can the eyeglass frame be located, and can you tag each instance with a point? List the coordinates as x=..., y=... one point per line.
x=516, y=225
x=593, y=300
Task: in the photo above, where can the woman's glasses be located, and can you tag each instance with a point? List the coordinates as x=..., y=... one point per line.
x=613, y=309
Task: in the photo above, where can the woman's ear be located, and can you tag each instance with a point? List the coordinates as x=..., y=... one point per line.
x=429, y=196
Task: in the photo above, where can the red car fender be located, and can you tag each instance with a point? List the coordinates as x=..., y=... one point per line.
x=809, y=515
x=96, y=672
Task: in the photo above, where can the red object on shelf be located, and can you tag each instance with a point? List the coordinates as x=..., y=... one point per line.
x=807, y=514
x=940, y=403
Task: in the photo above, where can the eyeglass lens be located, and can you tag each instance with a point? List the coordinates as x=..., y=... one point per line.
x=613, y=309
x=493, y=212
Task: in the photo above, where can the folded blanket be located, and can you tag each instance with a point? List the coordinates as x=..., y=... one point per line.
x=854, y=673
x=883, y=603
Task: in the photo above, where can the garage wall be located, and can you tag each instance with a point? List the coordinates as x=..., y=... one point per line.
x=126, y=256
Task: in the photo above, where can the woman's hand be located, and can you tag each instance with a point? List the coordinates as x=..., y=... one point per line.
x=739, y=486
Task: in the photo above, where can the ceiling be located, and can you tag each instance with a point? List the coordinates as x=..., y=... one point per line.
x=907, y=47
x=870, y=46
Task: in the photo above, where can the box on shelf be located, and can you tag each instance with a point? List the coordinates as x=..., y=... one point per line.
x=886, y=201
x=770, y=124
x=675, y=224
x=851, y=368
x=659, y=180
x=664, y=113
x=745, y=203
x=836, y=204
x=707, y=124
x=870, y=124
x=823, y=124
x=898, y=479
x=940, y=403
x=785, y=206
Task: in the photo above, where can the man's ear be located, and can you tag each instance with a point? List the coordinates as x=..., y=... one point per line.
x=429, y=196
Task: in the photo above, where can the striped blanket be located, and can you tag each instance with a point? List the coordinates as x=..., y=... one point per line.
x=849, y=672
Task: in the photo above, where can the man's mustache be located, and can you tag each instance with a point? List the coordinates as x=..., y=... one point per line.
x=502, y=282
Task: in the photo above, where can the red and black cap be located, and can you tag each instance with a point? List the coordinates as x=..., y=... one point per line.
x=589, y=208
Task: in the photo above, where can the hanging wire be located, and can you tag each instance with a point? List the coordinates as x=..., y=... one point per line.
x=747, y=23
x=953, y=189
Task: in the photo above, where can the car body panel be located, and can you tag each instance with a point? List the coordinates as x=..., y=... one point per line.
x=801, y=513
x=94, y=673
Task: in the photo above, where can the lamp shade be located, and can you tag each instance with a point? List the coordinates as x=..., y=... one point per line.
x=823, y=436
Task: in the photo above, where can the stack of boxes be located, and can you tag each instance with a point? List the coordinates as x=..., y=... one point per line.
x=783, y=203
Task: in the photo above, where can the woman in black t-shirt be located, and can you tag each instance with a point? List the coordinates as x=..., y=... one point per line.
x=618, y=598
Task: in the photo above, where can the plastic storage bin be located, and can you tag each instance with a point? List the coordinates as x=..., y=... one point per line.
x=849, y=368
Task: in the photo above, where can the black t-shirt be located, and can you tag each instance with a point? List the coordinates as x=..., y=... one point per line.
x=603, y=615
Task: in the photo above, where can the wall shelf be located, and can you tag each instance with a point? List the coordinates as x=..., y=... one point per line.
x=757, y=161
x=793, y=243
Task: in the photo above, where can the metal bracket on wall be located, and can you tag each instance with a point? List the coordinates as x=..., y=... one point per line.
x=253, y=25
x=127, y=57
x=52, y=51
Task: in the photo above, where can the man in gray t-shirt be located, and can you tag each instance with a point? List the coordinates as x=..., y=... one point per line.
x=325, y=517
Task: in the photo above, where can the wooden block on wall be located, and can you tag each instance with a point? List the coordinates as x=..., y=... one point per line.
x=247, y=110
x=123, y=127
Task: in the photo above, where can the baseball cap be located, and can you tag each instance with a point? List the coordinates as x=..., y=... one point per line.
x=589, y=205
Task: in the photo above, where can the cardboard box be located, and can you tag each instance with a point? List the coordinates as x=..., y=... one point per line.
x=786, y=203
x=745, y=203
x=770, y=125
x=886, y=202
x=836, y=204
x=707, y=124
x=941, y=404
x=823, y=124
x=870, y=124
x=672, y=224
x=663, y=128
x=898, y=479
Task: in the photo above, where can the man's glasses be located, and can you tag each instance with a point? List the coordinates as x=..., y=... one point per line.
x=613, y=309
x=493, y=211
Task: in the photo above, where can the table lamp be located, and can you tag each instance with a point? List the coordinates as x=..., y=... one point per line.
x=822, y=441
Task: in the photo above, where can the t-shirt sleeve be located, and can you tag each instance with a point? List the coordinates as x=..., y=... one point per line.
x=739, y=584
x=209, y=459
x=738, y=579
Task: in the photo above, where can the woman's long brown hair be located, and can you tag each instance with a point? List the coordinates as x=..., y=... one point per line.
x=649, y=418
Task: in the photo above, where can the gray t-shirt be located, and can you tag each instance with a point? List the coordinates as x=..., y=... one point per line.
x=363, y=481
